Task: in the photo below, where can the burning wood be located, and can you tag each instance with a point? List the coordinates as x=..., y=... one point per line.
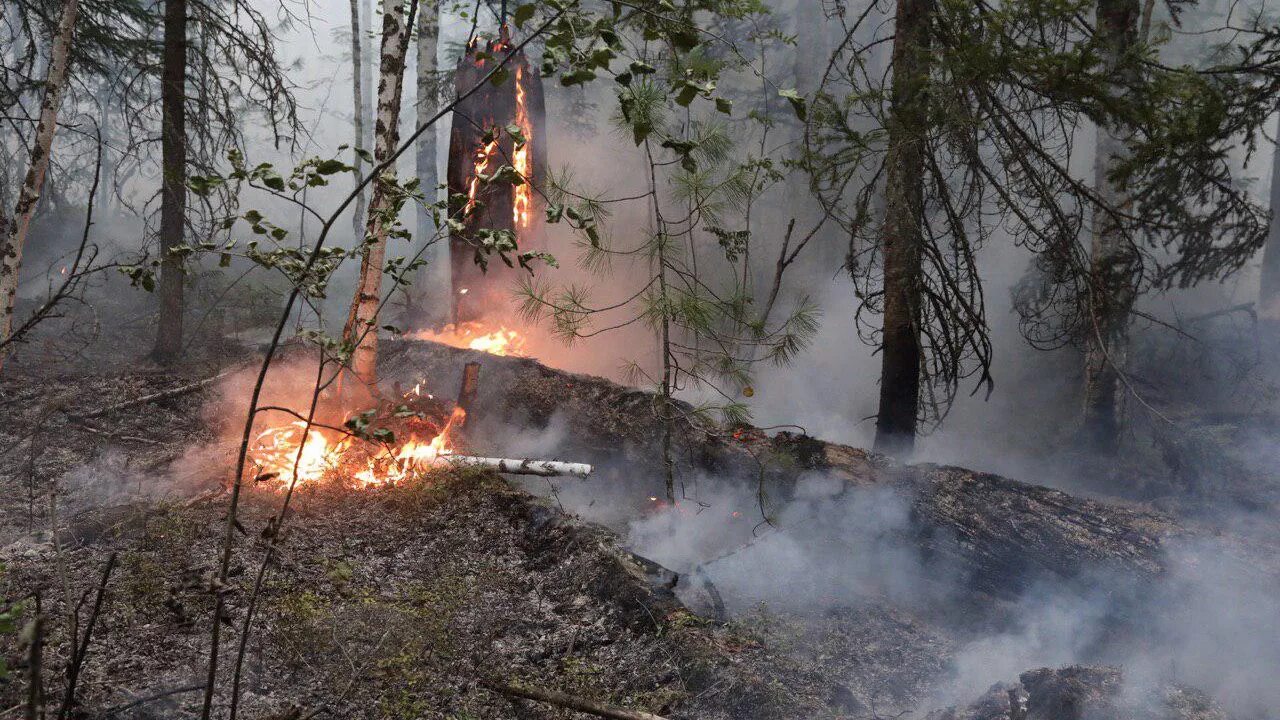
x=498, y=126
x=417, y=435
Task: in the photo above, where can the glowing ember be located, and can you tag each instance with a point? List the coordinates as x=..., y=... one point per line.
x=477, y=337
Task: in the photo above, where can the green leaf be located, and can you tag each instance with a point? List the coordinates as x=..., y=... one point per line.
x=331, y=167
x=724, y=105
x=798, y=103
x=523, y=14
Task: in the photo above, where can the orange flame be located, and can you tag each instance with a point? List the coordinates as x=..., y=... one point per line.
x=275, y=451
x=520, y=158
x=483, y=157
x=476, y=336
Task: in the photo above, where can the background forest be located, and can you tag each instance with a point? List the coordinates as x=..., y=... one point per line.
x=1032, y=238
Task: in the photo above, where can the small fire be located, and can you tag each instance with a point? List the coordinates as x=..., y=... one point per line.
x=483, y=157
x=275, y=451
x=476, y=336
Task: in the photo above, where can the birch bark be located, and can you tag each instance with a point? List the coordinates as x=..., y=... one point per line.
x=362, y=321
x=15, y=230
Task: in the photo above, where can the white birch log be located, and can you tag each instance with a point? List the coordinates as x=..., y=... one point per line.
x=15, y=236
x=514, y=466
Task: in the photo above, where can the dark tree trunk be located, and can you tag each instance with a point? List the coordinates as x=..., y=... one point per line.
x=900, y=350
x=428, y=303
x=360, y=105
x=477, y=293
x=173, y=183
x=1269, y=291
x=1112, y=259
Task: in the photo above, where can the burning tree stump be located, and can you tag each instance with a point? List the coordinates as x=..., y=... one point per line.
x=479, y=146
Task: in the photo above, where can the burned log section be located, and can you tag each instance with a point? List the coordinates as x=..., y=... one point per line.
x=481, y=143
x=1002, y=535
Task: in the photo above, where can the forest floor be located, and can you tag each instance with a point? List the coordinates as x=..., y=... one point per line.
x=401, y=602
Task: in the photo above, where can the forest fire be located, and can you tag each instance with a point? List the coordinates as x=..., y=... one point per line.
x=475, y=336
x=376, y=459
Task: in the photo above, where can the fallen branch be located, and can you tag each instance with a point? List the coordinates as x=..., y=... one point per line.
x=153, y=397
x=559, y=699
x=159, y=695
x=80, y=650
x=541, y=468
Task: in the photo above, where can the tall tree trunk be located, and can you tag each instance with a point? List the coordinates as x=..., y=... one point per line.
x=359, y=103
x=1112, y=260
x=1269, y=291
x=173, y=182
x=424, y=295
x=362, y=322
x=15, y=229
x=901, y=239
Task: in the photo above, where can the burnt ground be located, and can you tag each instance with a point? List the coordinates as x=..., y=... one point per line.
x=395, y=602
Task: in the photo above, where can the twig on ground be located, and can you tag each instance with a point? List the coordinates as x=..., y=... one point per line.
x=80, y=650
x=153, y=397
x=35, y=658
x=110, y=712
x=564, y=700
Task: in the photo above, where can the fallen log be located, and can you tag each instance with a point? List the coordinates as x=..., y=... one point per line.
x=153, y=397
x=1001, y=535
x=513, y=466
x=564, y=700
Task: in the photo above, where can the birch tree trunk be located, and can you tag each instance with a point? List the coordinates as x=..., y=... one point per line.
x=359, y=103
x=173, y=182
x=901, y=234
x=1269, y=291
x=15, y=229
x=362, y=322
x=1113, y=258
x=423, y=293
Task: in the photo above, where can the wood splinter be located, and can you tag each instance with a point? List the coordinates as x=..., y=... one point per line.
x=564, y=700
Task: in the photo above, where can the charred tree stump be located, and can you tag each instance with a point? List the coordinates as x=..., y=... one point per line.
x=478, y=146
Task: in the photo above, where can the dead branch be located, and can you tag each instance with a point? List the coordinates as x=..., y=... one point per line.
x=79, y=651
x=110, y=712
x=35, y=657
x=153, y=397
x=559, y=699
